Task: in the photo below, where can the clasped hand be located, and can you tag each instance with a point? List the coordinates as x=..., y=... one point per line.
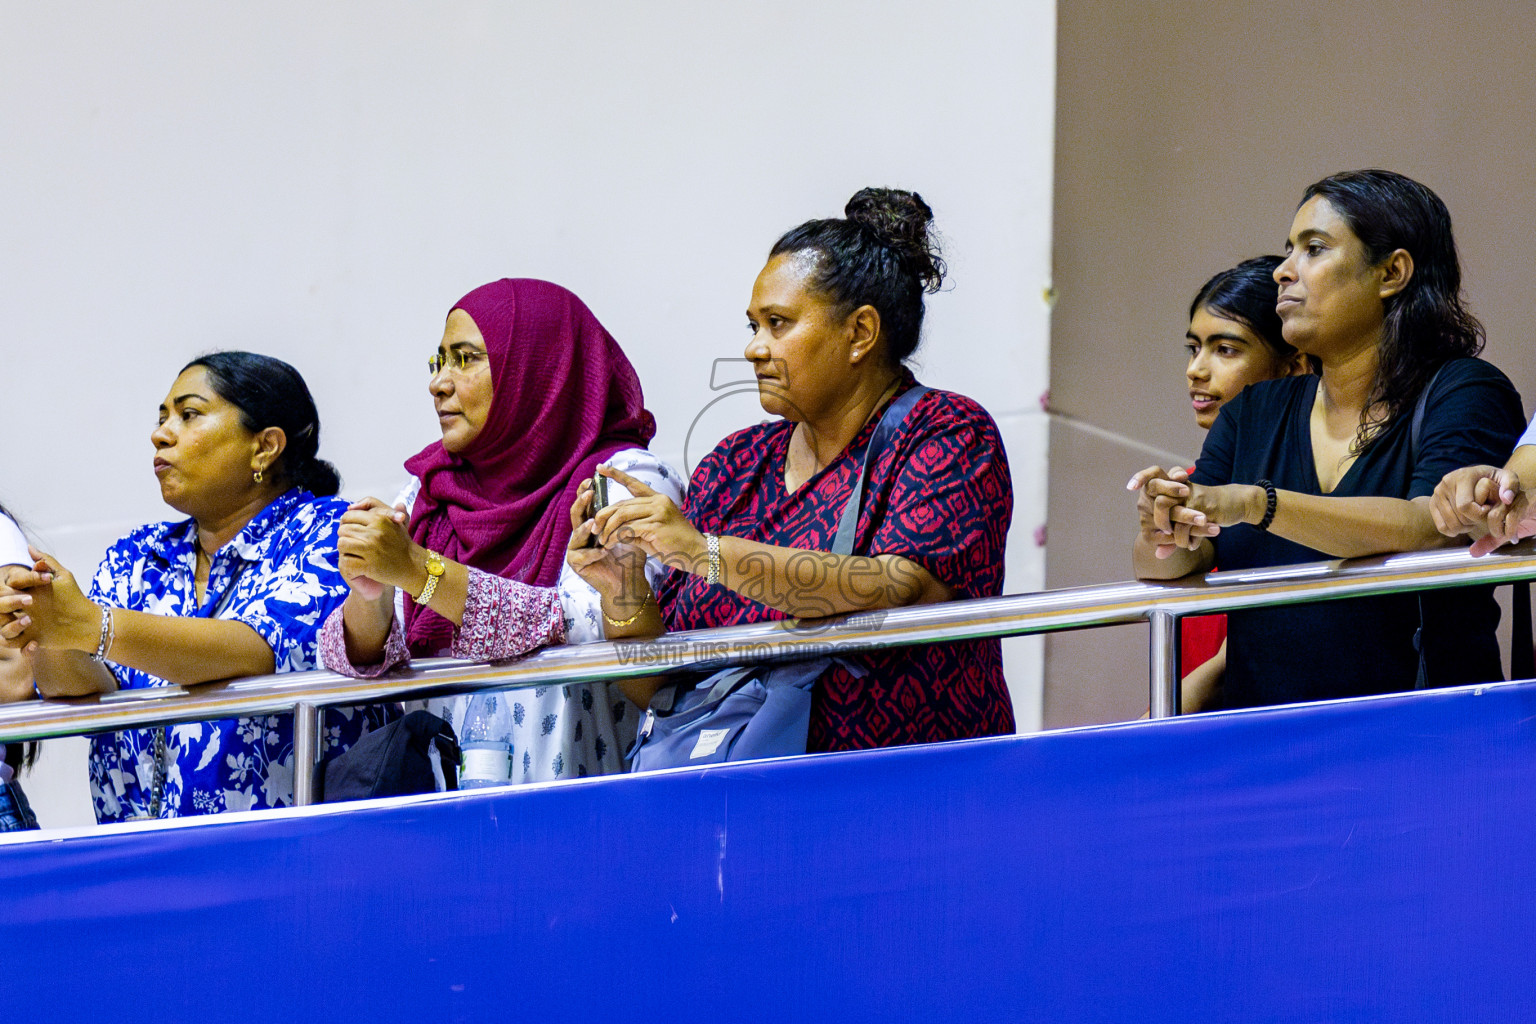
x=1485, y=502
x=44, y=607
x=375, y=551
x=1176, y=514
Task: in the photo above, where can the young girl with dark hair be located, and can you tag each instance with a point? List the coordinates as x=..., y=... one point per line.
x=239, y=588
x=833, y=316
x=1342, y=464
x=1234, y=337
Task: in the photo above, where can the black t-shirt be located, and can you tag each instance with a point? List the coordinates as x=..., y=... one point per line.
x=1363, y=645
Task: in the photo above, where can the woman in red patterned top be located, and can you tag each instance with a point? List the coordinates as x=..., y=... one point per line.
x=1233, y=341
x=835, y=313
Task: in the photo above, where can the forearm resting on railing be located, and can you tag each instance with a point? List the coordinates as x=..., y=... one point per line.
x=69, y=674
x=1353, y=527
x=634, y=617
x=366, y=623
x=178, y=650
x=814, y=584
x=1180, y=562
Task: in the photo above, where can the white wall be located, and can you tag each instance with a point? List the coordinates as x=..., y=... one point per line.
x=321, y=181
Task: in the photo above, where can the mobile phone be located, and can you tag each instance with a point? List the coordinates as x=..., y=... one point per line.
x=599, y=502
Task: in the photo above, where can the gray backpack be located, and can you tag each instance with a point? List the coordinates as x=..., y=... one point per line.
x=752, y=711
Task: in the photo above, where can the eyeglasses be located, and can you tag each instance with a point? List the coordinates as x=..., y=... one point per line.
x=459, y=361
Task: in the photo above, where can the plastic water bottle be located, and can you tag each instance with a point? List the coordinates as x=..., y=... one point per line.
x=486, y=744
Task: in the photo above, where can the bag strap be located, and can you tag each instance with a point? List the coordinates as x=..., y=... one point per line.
x=890, y=420
x=729, y=680
x=1416, y=425
x=229, y=591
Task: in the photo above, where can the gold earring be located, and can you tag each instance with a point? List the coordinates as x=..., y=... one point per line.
x=257, y=476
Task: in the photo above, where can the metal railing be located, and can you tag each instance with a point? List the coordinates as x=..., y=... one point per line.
x=1162, y=605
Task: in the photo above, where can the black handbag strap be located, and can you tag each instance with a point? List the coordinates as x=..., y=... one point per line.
x=1415, y=426
x=728, y=681
x=890, y=422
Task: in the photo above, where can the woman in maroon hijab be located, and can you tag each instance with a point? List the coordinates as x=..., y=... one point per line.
x=531, y=393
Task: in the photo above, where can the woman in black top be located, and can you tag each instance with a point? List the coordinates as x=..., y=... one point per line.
x=1306, y=468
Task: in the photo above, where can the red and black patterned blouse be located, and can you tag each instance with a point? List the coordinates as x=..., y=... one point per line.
x=940, y=495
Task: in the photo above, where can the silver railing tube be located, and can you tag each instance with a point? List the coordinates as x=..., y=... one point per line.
x=1163, y=663
x=306, y=751
x=1073, y=608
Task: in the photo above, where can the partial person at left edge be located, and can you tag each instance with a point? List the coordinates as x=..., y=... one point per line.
x=239, y=588
x=15, y=685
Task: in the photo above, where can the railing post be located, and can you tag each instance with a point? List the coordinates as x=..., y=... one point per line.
x=306, y=752
x=1163, y=663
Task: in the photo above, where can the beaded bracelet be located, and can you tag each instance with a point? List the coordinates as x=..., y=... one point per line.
x=1270, y=498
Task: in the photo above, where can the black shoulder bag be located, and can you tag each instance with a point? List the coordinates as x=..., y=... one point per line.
x=392, y=761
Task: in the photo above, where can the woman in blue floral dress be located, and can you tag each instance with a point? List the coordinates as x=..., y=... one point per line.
x=239, y=588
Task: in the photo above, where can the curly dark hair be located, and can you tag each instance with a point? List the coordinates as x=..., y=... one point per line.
x=1427, y=324
x=882, y=254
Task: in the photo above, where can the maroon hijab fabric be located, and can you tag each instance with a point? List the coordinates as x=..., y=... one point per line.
x=564, y=399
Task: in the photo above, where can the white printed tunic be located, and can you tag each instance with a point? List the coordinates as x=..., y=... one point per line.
x=556, y=732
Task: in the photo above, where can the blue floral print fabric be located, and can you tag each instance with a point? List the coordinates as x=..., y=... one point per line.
x=278, y=576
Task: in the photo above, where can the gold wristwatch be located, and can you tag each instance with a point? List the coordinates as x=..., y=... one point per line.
x=435, y=570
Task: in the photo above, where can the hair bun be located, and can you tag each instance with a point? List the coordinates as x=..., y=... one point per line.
x=901, y=221
x=318, y=477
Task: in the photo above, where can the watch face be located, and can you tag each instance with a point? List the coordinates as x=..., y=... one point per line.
x=435, y=565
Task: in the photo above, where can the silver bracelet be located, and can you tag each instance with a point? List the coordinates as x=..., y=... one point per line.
x=712, y=543
x=108, y=634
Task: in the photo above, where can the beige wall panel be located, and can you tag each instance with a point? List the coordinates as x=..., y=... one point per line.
x=1095, y=675
x=1185, y=135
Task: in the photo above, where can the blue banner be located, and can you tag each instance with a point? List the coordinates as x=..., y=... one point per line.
x=1359, y=860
